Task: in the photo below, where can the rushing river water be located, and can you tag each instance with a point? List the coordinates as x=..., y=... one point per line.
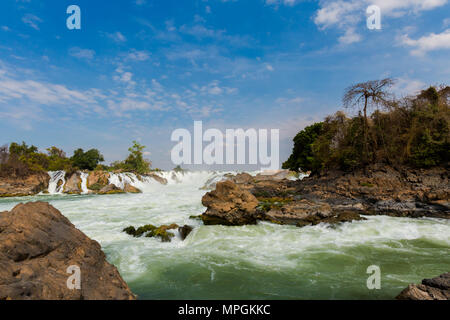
x=265, y=261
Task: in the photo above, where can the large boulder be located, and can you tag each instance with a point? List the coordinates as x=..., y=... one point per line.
x=229, y=205
x=24, y=186
x=430, y=289
x=73, y=184
x=38, y=245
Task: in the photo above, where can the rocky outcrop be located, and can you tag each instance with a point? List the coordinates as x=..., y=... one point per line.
x=229, y=205
x=430, y=289
x=73, y=184
x=97, y=180
x=376, y=190
x=37, y=247
x=24, y=186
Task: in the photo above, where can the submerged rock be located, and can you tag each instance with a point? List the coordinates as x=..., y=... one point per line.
x=185, y=231
x=229, y=205
x=151, y=231
x=430, y=289
x=38, y=245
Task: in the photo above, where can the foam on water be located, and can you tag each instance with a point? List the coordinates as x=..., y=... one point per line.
x=249, y=262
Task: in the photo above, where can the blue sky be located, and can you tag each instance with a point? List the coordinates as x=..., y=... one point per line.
x=140, y=69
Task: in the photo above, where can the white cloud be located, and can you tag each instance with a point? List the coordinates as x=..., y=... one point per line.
x=349, y=37
x=117, y=37
x=428, y=43
x=32, y=21
x=82, y=53
x=138, y=55
x=345, y=15
x=406, y=86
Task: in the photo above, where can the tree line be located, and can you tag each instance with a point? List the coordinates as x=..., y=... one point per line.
x=413, y=131
x=20, y=160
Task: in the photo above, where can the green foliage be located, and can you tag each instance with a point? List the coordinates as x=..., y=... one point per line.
x=135, y=161
x=86, y=160
x=302, y=156
x=414, y=131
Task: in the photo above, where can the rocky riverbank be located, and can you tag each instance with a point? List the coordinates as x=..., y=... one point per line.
x=24, y=186
x=38, y=245
x=94, y=182
x=430, y=289
x=331, y=197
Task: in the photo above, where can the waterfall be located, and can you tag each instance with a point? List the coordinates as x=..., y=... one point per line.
x=57, y=182
x=84, y=188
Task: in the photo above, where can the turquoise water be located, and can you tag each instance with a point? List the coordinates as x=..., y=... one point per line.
x=265, y=261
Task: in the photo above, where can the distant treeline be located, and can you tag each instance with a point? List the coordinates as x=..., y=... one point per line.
x=413, y=131
x=20, y=160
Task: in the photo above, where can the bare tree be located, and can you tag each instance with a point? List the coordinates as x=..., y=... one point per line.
x=4, y=154
x=365, y=95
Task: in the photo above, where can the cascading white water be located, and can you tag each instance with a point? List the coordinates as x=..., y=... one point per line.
x=84, y=188
x=57, y=182
x=249, y=262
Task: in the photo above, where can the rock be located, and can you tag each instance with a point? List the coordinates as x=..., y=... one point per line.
x=37, y=246
x=157, y=178
x=241, y=178
x=110, y=189
x=229, y=205
x=24, y=186
x=73, y=184
x=185, y=231
x=151, y=231
x=97, y=180
x=130, y=189
x=431, y=289
x=275, y=175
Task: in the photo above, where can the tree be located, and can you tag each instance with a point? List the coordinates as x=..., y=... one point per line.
x=302, y=156
x=364, y=96
x=135, y=160
x=86, y=160
x=56, y=152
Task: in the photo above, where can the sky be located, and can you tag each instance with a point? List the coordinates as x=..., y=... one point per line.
x=139, y=69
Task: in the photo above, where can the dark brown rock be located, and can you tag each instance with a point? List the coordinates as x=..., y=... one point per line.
x=430, y=289
x=37, y=246
x=185, y=231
